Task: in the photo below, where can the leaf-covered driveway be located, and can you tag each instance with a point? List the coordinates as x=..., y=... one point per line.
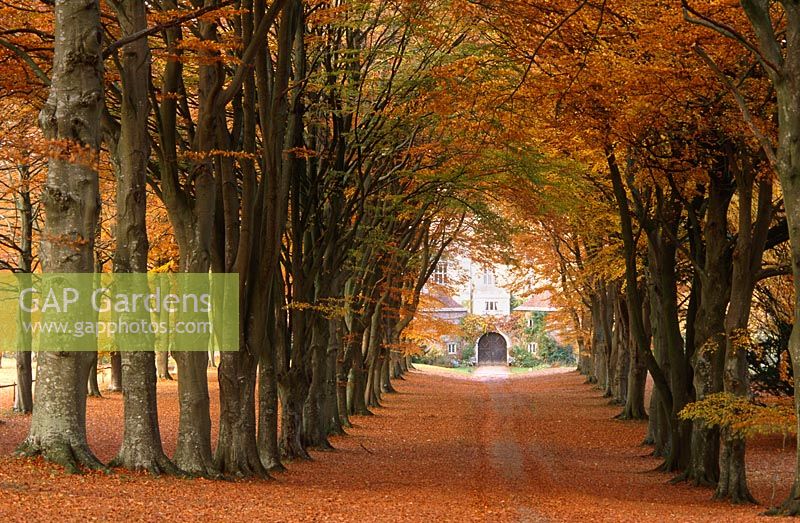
x=496, y=447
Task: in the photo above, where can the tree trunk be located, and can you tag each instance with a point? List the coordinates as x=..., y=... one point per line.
x=141, y=442
x=162, y=365
x=789, y=171
x=599, y=340
x=672, y=343
x=372, y=389
x=344, y=364
x=237, y=448
x=141, y=438
x=333, y=353
x=621, y=351
x=386, y=364
x=357, y=381
x=633, y=297
x=193, y=450
x=313, y=430
x=659, y=428
x=72, y=114
x=292, y=393
x=92, y=387
x=115, y=384
x=163, y=339
x=268, y=406
x=712, y=285
x=23, y=399
x=747, y=257
x=637, y=370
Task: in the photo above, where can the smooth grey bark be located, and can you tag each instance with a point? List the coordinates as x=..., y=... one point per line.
x=163, y=339
x=663, y=269
x=386, y=363
x=141, y=440
x=92, y=387
x=192, y=218
x=372, y=360
x=268, y=446
x=271, y=86
x=115, y=383
x=659, y=427
x=162, y=365
x=23, y=399
x=268, y=412
x=72, y=114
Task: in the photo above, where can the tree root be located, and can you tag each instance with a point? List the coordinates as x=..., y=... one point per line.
x=155, y=465
x=697, y=481
x=627, y=416
x=295, y=454
x=337, y=429
x=790, y=507
x=273, y=466
x=323, y=446
x=738, y=496
x=197, y=467
x=242, y=468
x=73, y=457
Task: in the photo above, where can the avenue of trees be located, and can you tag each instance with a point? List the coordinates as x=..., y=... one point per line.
x=641, y=156
x=659, y=143
x=284, y=141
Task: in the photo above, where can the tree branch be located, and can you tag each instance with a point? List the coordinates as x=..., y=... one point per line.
x=25, y=57
x=727, y=31
x=250, y=53
x=770, y=271
x=166, y=25
x=763, y=140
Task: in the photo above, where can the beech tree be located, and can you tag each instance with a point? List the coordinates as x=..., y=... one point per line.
x=777, y=37
x=71, y=199
x=141, y=446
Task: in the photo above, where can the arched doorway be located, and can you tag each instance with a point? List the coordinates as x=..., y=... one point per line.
x=492, y=349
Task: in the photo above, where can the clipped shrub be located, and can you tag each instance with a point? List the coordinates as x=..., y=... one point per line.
x=467, y=353
x=522, y=358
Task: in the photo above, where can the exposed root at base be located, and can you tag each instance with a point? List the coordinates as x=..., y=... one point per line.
x=73, y=457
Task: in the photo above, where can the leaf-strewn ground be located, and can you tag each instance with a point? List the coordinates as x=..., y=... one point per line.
x=491, y=446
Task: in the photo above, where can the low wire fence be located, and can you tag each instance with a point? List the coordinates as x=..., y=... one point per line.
x=8, y=392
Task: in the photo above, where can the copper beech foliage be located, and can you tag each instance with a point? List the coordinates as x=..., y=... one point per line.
x=600, y=146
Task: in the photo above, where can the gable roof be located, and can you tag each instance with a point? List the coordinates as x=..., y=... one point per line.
x=539, y=302
x=447, y=303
